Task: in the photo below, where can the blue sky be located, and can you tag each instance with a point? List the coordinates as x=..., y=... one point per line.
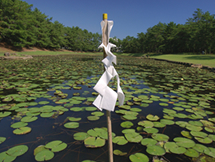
x=130, y=16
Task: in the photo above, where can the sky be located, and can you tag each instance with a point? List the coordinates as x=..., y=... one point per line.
x=129, y=16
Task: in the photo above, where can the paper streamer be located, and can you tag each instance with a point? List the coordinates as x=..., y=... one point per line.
x=107, y=97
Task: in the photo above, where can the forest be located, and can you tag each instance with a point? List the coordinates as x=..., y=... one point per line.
x=20, y=26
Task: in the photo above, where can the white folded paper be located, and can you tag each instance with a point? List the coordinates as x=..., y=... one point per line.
x=107, y=97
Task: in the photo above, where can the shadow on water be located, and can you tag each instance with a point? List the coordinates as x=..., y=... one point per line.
x=201, y=57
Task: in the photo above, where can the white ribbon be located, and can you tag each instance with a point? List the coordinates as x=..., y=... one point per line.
x=107, y=97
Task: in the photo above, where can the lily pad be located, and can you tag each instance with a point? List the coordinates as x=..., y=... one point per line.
x=167, y=122
x=29, y=119
x=191, y=153
x=184, y=142
x=22, y=130
x=2, y=139
x=56, y=146
x=205, y=140
x=120, y=153
x=92, y=118
x=71, y=125
x=151, y=130
x=186, y=134
x=17, y=150
x=4, y=114
x=159, y=124
x=160, y=137
x=94, y=142
x=73, y=119
x=200, y=148
x=80, y=136
x=146, y=124
x=133, y=137
x=210, y=152
x=178, y=150
x=152, y=117
x=97, y=113
x=198, y=134
x=148, y=141
x=120, y=140
x=44, y=155
x=129, y=117
x=19, y=124
x=155, y=150
x=138, y=157
x=126, y=124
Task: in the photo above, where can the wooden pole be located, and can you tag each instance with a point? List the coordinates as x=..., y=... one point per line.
x=108, y=113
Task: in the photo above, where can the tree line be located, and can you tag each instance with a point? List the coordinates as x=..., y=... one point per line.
x=20, y=26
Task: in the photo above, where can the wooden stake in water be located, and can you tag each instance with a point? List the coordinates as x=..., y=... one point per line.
x=108, y=113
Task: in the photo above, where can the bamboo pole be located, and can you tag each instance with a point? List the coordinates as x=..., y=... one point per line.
x=108, y=113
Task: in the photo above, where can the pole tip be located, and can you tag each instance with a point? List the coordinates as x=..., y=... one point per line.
x=105, y=16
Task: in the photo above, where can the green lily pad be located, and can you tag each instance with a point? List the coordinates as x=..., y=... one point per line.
x=191, y=153
x=152, y=117
x=181, y=123
x=169, y=145
x=38, y=149
x=138, y=157
x=135, y=109
x=19, y=124
x=97, y=113
x=71, y=125
x=159, y=124
x=17, y=150
x=155, y=150
x=196, y=123
x=198, y=134
x=200, y=148
x=186, y=134
x=22, y=130
x=76, y=109
x=193, y=128
x=120, y=140
x=92, y=118
x=126, y=124
x=94, y=142
x=151, y=130
x=184, y=142
x=211, y=136
x=2, y=139
x=206, y=123
x=205, y=140
x=47, y=115
x=56, y=146
x=146, y=124
x=160, y=137
x=4, y=114
x=167, y=122
x=210, y=152
x=120, y=153
x=133, y=137
x=178, y=150
x=44, y=155
x=28, y=119
x=163, y=104
x=129, y=117
x=4, y=157
x=80, y=136
x=90, y=108
x=128, y=131
x=73, y=119
x=148, y=141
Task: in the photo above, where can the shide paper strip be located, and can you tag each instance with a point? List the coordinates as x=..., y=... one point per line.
x=107, y=97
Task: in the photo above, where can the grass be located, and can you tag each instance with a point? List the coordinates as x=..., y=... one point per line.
x=206, y=60
x=51, y=53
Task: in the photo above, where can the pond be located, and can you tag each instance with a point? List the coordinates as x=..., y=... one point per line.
x=46, y=111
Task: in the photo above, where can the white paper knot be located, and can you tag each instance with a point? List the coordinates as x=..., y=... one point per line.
x=107, y=97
